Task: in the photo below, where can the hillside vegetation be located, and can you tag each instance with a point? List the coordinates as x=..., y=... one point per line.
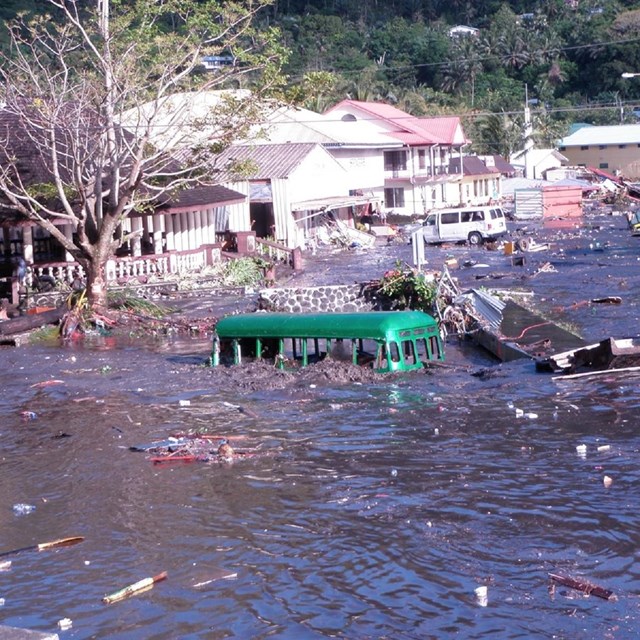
x=566, y=56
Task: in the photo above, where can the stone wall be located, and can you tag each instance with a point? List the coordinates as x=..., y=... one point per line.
x=337, y=298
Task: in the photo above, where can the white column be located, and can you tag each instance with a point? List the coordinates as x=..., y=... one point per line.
x=27, y=244
x=177, y=230
x=171, y=237
x=191, y=230
x=136, y=241
x=67, y=229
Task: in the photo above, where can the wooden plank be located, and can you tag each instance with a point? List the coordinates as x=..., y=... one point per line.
x=28, y=322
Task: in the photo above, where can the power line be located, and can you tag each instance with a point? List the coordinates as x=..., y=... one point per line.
x=419, y=65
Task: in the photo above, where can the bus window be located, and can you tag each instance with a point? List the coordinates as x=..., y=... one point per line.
x=381, y=357
x=434, y=347
x=394, y=352
x=409, y=352
x=423, y=353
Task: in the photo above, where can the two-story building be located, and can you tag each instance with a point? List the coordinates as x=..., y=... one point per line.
x=424, y=168
x=613, y=148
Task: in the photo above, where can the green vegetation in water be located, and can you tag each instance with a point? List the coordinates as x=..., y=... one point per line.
x=126, y=300
x=45, y=335
x=407, y=289
x=244, y=271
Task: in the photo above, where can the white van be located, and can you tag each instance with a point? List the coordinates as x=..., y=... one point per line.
x=464, y=224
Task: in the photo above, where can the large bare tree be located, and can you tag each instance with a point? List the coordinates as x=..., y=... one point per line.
x=67, y=153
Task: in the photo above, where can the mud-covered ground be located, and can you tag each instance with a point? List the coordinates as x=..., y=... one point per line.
x=559, y=278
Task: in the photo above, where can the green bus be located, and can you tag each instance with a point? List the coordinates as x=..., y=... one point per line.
x=384, y=340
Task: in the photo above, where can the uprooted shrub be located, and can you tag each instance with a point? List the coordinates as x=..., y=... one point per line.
x=406, y=288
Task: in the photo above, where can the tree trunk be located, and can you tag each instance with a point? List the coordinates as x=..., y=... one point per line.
x=97, y=284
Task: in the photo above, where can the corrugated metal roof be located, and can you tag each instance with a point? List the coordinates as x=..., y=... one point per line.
x=271, y=160
x=447, y=128
x=606, y=135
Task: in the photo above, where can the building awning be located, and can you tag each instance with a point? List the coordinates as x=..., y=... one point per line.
x=322, y=205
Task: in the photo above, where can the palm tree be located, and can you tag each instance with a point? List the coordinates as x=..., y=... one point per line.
x=499, y=133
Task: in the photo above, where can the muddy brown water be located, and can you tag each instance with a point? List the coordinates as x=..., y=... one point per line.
x=375, y=506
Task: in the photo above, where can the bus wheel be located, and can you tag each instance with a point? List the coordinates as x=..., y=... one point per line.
x=475, y=239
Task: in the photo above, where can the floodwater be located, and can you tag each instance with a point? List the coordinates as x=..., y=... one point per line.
x=373, y=509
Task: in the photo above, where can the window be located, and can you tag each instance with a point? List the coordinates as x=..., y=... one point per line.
x=422, y=159
x=449, y=218
x=395, y=160
x=423, y=353
x=565, y=148
x=602, y=146
x=409, y=352
x=584, y=147
x=430, y=221
x=434, y=347
x=394, y=197
x=622, y=146
x=394, y=352
x=603, y=165
x=466, y=216
x=478, y=216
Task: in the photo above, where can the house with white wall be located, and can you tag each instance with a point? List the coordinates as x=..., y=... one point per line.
x=540, y=161
x=292, y=189
x=416, y=173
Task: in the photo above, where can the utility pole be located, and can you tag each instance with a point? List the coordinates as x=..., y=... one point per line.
x=528, y=135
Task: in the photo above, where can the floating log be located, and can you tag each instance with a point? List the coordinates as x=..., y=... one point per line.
x=28, y=322
x=136, y=587
x=582, y=585
x=53, y=544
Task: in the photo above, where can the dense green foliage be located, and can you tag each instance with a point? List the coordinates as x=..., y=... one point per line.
x=569, y=54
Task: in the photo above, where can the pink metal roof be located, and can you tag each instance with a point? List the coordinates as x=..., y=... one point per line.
x=445, y=128
x=404, y=123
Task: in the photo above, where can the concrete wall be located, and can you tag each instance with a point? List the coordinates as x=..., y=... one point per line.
x=338, y=298
x=611, y=158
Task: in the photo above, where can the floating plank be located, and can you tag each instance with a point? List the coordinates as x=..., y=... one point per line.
x=582, y=585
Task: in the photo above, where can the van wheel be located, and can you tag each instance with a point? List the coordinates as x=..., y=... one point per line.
x=522, y=245
x=475, y=239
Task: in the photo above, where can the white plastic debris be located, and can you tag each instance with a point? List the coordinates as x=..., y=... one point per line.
x=519, y=413
x=581, y=450
x=21, y=508
x=530, y=415
x=5, y=565
x=607, y=481
x=604, y=447
x=65, y=623
x=482, y=595
x=185, y=403
x=2, y=601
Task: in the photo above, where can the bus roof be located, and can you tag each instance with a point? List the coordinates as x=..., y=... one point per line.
x=369, y=324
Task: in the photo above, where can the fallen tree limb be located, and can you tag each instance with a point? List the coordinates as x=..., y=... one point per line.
x=582, y=585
